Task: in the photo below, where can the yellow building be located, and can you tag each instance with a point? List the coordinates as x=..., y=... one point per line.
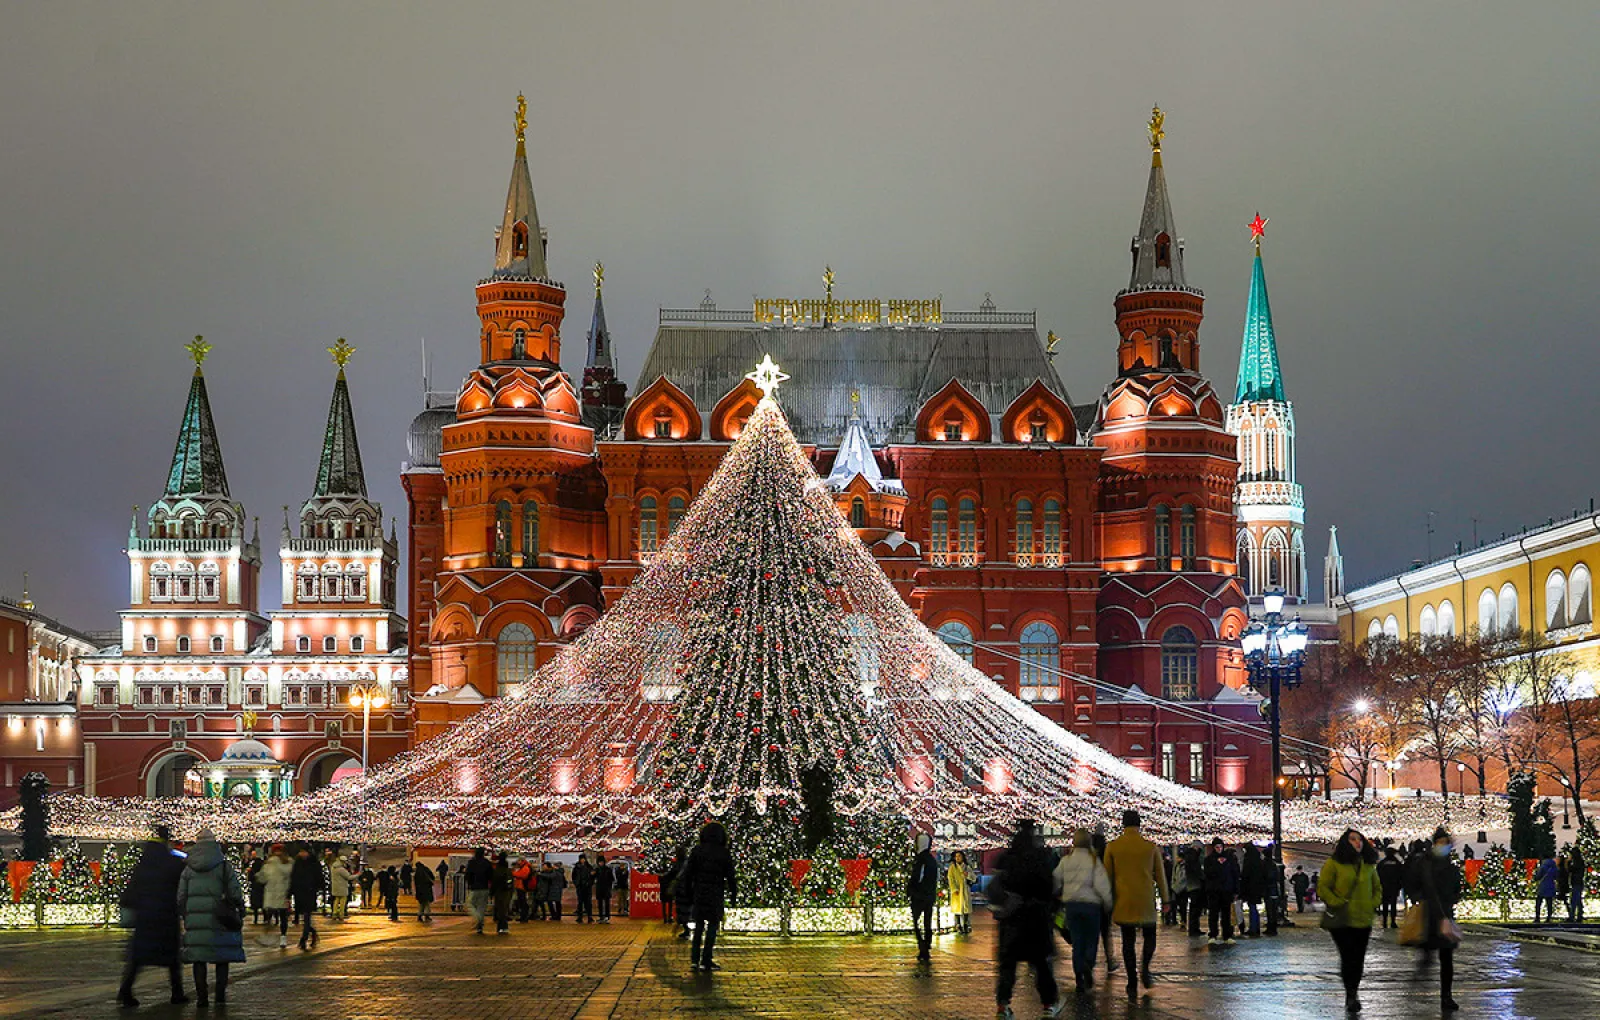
x=1541, y=579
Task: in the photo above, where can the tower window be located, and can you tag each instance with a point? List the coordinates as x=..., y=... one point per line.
x=519, y=240
x=1037, y=432
x=358, y=643
x=968, y=523
x=519, y=345
x=858, y=512
x=649, y=527
x=1163, y=251
x=516, y=656
x=303, y=644
x=1024, y=532
x=1163, y=538
x=1180, y=665
x=1052, y=532
x=149, y=644
x=952, y=430
x=1041, y=658
x=502, y=534
x=1186, y=536
x=939, y=527
x=216, y=643
x=330, y=643
x=675, y=510
x=183, y=644
x=530, y=534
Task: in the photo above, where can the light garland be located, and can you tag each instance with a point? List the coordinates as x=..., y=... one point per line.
x=763, y=639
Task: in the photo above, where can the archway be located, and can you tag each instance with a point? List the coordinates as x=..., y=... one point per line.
x=329, y=769
x=169, y=777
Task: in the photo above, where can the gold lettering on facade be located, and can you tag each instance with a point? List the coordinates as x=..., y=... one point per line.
x=852, y=312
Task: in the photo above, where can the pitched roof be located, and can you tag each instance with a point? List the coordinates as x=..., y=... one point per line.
x=339, y=469
x=1260, y=378
x=520, y=208
x=1156, y=221
x=197, y=461
x=895, y=370
x=855, y=458
x=599, y=347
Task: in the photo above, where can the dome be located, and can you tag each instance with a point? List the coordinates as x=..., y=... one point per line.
x=249, y=749
x=423, y=439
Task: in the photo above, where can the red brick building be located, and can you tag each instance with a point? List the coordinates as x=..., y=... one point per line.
x=38, y=687
x=1080, y=554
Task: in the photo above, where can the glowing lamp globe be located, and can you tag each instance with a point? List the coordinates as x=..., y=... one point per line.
x=1272, y=602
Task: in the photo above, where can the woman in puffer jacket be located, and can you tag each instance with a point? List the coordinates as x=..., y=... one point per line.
x=1083, y=886
x=209, y=883
x=274, y=881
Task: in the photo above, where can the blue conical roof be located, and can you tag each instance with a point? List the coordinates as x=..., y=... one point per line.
x=339, y=469
x=197, y=460
x=1260, y=378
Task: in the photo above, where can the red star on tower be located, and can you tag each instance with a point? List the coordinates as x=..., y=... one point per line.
x=1258, y=227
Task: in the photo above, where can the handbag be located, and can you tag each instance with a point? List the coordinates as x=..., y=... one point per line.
x=230, y=912
x=1414, y=926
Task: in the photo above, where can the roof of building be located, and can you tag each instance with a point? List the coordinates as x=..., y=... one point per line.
x=855, y=457
x=1155, y=221
x=1260, y=378
x=599, y=340
x=249, y=749
x=339, y=469
x=197, y=461
x=894, y=369
x=529, y=261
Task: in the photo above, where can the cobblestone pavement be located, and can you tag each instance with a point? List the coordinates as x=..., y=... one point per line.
x=370, y=969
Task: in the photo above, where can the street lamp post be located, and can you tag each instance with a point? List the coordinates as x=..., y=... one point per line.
x=1461, y=781
x=1274, y=653
x=366, y=697
x=1566, y=820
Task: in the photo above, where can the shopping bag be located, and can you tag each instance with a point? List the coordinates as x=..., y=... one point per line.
x=1414, y=926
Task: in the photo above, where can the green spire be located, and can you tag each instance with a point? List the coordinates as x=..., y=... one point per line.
x=197, y=461
x=339, y=470
x=1260, y=378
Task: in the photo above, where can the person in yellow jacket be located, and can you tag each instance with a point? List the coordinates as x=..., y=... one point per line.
x=958, y=879
x=1137, y=872
x=1349, y=889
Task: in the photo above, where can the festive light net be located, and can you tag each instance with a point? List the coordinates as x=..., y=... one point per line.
x=762, y=640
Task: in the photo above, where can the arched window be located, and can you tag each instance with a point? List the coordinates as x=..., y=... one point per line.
x=1555, y=600
x=1488, y=606
x=1270, y=470
x=939, y=526
x=1510, y=618
x=1041, y=658
x=1024, y=532
x=858, y=512
x=519, y=240
x=358, y=643
x=1447, y=619
x=1180, y=665
x=1053, y=550
x=1163, y=251
x=1274, y=555
x=330, y=644
x=1374, y=630
x=1246, y=449
x=519, y=344
x=331, y=578
x=647, y=525
x=514, y=651
x=216, y=643
x=1186, y=536
x=864, y=652
x=355, y=582
x=1391, y=627
x=1428, y=622
x=968, y=536
x=1578, y=596
x=1243, y=554
x=1163, y=537
x=308, y=582
x=675, y=509
x=502, y=533
x=302, y=643
x=530, y=534
x=183, y=643
x=958, y=636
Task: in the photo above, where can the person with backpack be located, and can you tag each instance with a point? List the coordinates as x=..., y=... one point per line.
x=1022, y=895
x=711, y=883
x=212, y=904
x=1083, y=887
x=1351, y=893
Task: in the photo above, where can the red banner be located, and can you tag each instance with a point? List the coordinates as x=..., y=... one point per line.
x=855, y=872
x=644, y=893
x=798, y=870
x=1471, y=868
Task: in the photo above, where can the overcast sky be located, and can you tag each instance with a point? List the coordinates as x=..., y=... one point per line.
x=278, y=175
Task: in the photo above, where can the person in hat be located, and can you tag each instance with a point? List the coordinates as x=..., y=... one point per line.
x=212, y=904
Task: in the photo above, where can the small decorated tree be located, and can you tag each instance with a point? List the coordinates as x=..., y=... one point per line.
x=35, y=828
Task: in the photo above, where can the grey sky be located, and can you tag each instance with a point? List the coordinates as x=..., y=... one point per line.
x=277, y=175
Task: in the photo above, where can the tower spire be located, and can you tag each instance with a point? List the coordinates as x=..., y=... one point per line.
x=519, y=243
x=1157, y=249
x=599, y=353
x=339, y=468
x=1260, y=377
x=197, y=460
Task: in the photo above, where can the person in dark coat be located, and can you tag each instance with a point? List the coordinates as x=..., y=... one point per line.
x=1195, y=858
x=1577, y=874
x=541, y=893
x=405, y=878
x=1222, y=885
x=1391, y=879
x=1253, y=881
x=500, y=887
x=479, y=873
x=604, y=880
x=711, y=883
x=922, y=889
x=1436, y=882
x=257, y=895
x=1300, y=882
x=305, y=886
x=391, y=895
x=152, y=896
x=422, y=879
x=1021, y=893
x=583, y=883
x=208, y=885
x=669, y=890
x=367, y=880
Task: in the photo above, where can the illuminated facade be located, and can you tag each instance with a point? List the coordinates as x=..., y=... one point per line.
x=38, y=720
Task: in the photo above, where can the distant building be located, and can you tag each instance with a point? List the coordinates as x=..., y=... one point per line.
x=38, y=724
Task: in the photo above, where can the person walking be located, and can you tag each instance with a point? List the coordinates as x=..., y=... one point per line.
x=405, y=877
x=522, y=882
x=252, y=867
x=367, y=880
x=1222, y=884
x=211, y=902
x=1438, y=885
x=391, y=898
x=274, y=877
x=305, y=888
x=151, y=895
x=583, y=884
x=1300, y=882
x=541, y=893
x=340, y=880
x=1351, y=893
x=1564, y=881
x=1544, y=890
x=669, y=888
x=958, y=879
x=1134, y=865
x=623, y=875
x=1021, y=893
x=500, y=883
x=443, y=873
x=1253, y=882
x=1391, y=879
x=422, y=880
x=922, y=890
x=479, y=876
x=711, y=883
x=1099, y=836
x=604, y=881
x=1083, y=886
x=1578, y=875
x=1179, y=914
x=1194, y=857
x=558, y=890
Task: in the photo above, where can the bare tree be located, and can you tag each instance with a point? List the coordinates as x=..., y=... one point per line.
x=1487, y=695
x=1427, y=670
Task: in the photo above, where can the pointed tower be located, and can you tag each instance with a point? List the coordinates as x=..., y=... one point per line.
x=1270, y=507
x=874, y=505
x=194, y=578
x=1333, y=569
x=521, y=507
x=605, y=397
x=338, y=571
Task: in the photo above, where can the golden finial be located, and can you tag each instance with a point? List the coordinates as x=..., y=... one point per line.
x=27, y=600
x=1157, y=124
x=1050, y=341
x=827, y=280
x=855, y=403
x=198, y=349
x=522, y=117
x=342, y=352
x=1258, y=227
x=599, y=275
x=249, y=720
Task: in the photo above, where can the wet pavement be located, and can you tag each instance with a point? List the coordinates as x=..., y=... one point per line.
x=373, y=970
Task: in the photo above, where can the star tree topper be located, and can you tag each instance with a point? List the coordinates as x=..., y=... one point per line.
x=767, y=376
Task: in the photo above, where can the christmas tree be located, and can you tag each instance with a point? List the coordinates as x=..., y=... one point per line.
x=761, y=646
